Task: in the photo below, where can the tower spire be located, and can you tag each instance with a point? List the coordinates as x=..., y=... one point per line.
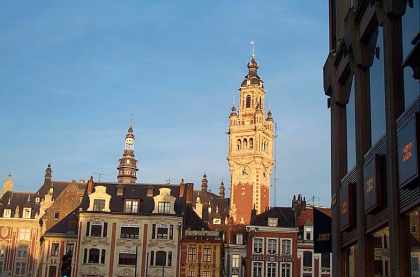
x=127, y=169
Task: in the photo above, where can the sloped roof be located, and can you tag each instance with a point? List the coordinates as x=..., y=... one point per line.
x=68, y=226
x=285, y=215
x=12, y=200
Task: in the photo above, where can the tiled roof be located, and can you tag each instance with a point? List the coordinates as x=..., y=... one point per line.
x=285, y=215
x=11, y=200
x=68, y=226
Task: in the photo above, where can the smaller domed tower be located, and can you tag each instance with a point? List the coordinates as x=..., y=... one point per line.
x=127, y=169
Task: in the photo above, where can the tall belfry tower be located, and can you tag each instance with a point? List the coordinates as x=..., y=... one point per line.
x=127, y=169
x=251, y=138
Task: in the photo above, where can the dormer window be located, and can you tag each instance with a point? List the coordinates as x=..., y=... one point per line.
x=98, y=205
x=26, y=212
x=273, y=222
x=99, y=200
x=36, y=199
x=131, y=206
x=7, y=213
x=239, y=239
x=164, y=208
x=308, y=233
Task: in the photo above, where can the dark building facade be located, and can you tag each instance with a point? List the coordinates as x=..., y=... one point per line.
x=371, y=79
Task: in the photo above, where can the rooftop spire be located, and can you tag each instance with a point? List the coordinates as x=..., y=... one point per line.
x=127, y=169
x=204, y=183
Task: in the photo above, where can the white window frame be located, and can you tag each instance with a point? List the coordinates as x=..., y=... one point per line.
x=236, y=261
x=276, y=246
x=262, y=268
x=262, y=245
x=308, y=229
x=313, y=262
x=291, y=268
x=239, y=238
x=25, y=213
x=276, y=266
x=102, y=223
x=291, y=246
x=25, y=234
x=7, y=213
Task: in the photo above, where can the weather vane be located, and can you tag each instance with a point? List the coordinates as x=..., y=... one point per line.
x=252, y=43
x=131, y=119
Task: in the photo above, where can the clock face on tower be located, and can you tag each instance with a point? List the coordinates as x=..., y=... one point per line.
x=129, y=141
x=244, y=172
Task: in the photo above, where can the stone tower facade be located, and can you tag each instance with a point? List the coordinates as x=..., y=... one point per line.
x=127, y=169
x=251, y=137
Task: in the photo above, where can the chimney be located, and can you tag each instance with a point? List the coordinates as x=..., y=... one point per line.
x=90, y=185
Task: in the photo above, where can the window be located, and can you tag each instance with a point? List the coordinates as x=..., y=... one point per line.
x=129, y=232
x=286, y=270
x=52, y=271
x=98, y=205
x=56, y=215
x=273, y=221
x=245, y=143
x=103, y=256
x=2, y=252
x=257, y=269
x=413, y=217
x=127, y=259
x=69, y=249
x=377, y=88
x=162, y=231
x=20, y=268
x=164, y=207
x=351, y=127
x=271, y=246
x=271, y=269
x=325, y=262
x=308, y=232
x=160, y=258
x=22, y=252
x=93, y=256
x=192, y=254
x=96, y=229
x=239, y=239
x=236, y=261
x=258, y=245
x=207, y=255
x=191, y=274
x=286, y=247
x=55, y=249
x=27, y=212
x=24, y=234
x=238, y=144
x=379, y=242
x=307, y=261
x=7, y=213
x=248, y=101
x=410, y=28
x=350, y=262
x=131, y=206
x=205, y=274
x=251, y=143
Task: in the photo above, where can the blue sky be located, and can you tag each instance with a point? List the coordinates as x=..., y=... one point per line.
x=72, y=73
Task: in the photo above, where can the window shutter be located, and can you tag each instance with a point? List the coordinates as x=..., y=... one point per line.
x=152, y=256
x=103, y=256
x=171, y=232
x=87, y=228
x=153, y=231
x=170, y=258
x=85, y=256
x=105, y=229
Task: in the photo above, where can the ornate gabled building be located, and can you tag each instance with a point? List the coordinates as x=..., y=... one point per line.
x=251, y=138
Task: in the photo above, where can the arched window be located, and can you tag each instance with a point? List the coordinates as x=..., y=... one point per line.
x=248, y=101
x=238, y=144
x=251, y=143
x=245, y=143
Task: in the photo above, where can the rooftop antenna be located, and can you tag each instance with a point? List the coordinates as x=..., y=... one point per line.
x=99, y=174
x=132, y=120
x=252, y=43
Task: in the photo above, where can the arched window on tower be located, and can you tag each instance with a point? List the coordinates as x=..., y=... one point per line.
x=248, y=101
x=245, y=143
x=251, y=143
x=238, y=144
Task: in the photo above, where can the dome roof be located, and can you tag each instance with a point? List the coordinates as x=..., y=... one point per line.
x=252, y=77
